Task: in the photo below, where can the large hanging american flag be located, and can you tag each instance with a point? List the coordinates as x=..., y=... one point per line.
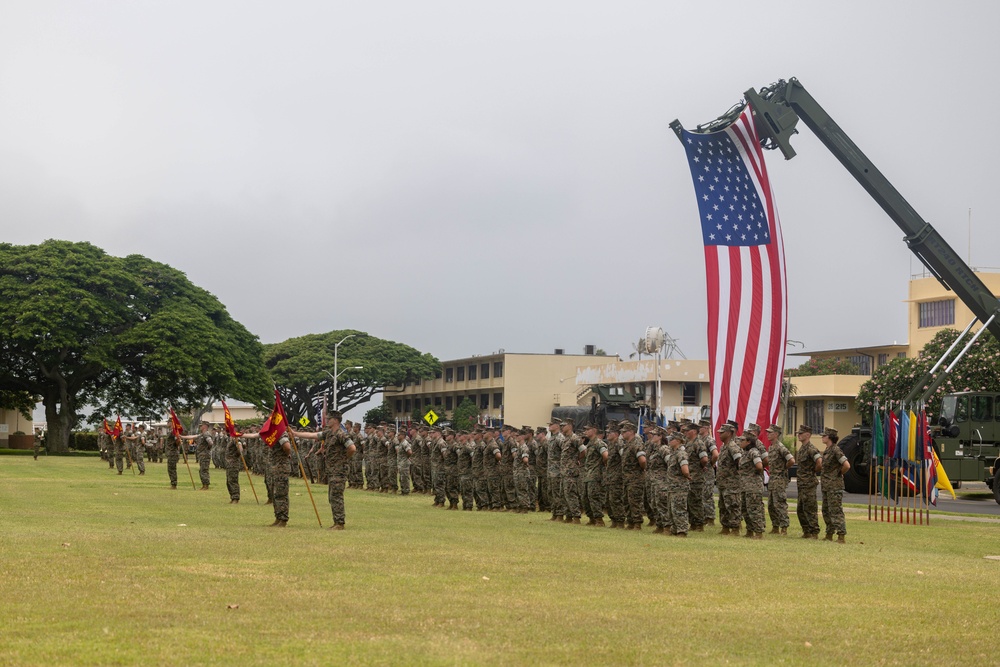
x=745, y=267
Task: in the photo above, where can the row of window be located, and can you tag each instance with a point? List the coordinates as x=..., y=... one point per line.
x=936, y=313
x=458, y=373
x=405, y=405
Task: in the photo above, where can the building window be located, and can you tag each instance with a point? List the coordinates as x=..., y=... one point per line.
x=437, y=375
x=437, y=400
x=883, y=359
x=814, y=415
x=498, y=369
x=484, y=371
x=427, y=401
x=689, y=393
x=484, y=402
x=497, y=400
x=417, y=382
x=863, y=363
x=449, y=402
x=937, y=313
x=901, y=355
x=461, y=374
x=472, y=398
x=406, y=405
x=399, y=405
x=449, y=375
x=472, y=372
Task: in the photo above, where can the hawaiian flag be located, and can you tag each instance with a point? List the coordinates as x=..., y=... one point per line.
x=175, y=424
x=118, y=427
x=230, y=424
x=745, y=269
x=276, y=424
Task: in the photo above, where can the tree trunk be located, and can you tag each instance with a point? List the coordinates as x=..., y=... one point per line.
x=57, y=423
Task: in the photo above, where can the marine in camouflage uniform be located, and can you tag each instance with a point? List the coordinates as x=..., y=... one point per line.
x=338, y=448
x=234, y=466
x=138, y=441
x=449, y=455
x=835, y=464
x=777, y=488
x=570, y=468
x=425, y=459
x=751, y=475
x=634, y=463
x=522, y=471
x=727, y=478
x=203, y=441
x=437, y=467
x=403, y=452
x=507, y=453
x=280, y=464
x=491, y=461
x=529, y=440
x=553, y=451
x=678, y=486
x=356, y=476
x=466, y=483
x=416, y=461
x=614, y=478
x=594, y=462
x=391, y=467
x=657, y=459
x=698, y=464
x=541, y=445
x=808, y=461
x=708, y=492
x=480, y=489
x=173, y=452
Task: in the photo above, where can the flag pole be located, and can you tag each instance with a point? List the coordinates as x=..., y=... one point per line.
x=298, y=457
x=180, y=445
x=249, y=478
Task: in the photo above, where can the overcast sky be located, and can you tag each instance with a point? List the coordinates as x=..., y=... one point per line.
x=398, y=165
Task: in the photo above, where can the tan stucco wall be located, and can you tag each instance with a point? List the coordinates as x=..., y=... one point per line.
x=11, y=421
x=929, y=289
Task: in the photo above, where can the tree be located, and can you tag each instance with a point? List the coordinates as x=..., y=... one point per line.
x=823, y=367
x=80, y=328
x=382, y=413
x=466, y=415
x=979, y=370
x=302, y=368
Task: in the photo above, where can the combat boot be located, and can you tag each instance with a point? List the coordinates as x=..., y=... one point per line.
x=758, y=536
x=709, y=522
x=597, y=522
x=775, y=530
x=280, y=524
x=829, y=537
x=276, y=522
x=336, y=526
x=813, y=536
x=784, y=530
x=724, y=531
x=841, y=539
x=659, y=529
x=699, y=529
x=681, y=534
x=576, y=520
x=568, y=519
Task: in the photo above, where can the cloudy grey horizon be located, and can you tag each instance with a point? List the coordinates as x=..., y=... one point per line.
x=464, y=177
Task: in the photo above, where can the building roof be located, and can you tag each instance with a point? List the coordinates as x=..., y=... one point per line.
x=855, y=350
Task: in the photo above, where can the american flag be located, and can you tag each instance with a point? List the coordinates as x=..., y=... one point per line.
x=745, y=267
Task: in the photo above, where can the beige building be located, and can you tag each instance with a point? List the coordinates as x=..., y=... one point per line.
x=518, y=388
x=12, y=421
x=829, y=400
x=237, y=409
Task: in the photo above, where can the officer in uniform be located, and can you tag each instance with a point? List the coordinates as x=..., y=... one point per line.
x=204, y=443
x=809, y=463
x=777, y=500
x=337, y=446
x=835, y=466
x=553, y=452
x=727, y=477
x=595, y=460
x=634, y=474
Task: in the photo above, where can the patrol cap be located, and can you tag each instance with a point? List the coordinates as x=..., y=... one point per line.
x=690, y=426
x=727, y=428
x=804, y=428
x=555, y=420
x=752, y=427
x=774, y=428
x=528, y=428
x=675, y=436
x=335, y=414
x=704, y=422
x=830, y=432
x=591, y=425
x=613, y=426
x=674, y=423
x=541, y=429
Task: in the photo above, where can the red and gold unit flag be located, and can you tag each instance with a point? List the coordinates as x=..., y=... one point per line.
x=118, y=427
x=107, y=429
x=276, y=424
x=230, y=424
x=175, y=423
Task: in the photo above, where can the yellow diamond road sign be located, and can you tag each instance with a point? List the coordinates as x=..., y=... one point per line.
x=431, y=417
x=304, y=421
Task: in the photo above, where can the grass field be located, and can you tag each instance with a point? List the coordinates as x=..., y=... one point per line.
x=97, y=569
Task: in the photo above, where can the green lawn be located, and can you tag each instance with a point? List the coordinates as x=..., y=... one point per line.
x=97, y=569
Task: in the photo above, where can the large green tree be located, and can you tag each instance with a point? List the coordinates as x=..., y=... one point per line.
x=979, y=370
x=81, y=328
x=302, y=368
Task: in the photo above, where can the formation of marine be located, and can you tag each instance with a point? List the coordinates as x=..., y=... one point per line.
x=667, y=476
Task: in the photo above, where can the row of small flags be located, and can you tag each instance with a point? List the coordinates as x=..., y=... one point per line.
x=902, y=447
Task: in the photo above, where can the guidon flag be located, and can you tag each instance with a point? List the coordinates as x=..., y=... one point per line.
x=175, y=424
x=276, y=424
x=745, y=271
x=230, y=424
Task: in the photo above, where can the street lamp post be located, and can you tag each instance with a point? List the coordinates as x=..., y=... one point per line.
x=337, y=375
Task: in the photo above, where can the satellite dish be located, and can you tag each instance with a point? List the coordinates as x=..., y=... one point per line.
x=655, y=339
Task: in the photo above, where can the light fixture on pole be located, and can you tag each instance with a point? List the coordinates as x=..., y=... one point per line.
x=334, y=378
x=335, y=373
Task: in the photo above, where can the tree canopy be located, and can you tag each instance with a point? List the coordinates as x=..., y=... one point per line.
x=979, y=370
x=80, y=328
x=302, y=368
x=823, y=367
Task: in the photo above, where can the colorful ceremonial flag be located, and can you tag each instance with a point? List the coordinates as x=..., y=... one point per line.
x=118, y=427
x=745, y=269
x=941, y=480
x=911, y=436
x=276, y=424
x=230, y=424
x=892, y=434
x=175, y=424
x=107, y=429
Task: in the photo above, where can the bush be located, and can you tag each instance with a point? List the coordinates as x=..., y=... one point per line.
x=84, y=441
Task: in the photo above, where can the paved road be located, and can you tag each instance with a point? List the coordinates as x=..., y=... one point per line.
x=981, y=504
